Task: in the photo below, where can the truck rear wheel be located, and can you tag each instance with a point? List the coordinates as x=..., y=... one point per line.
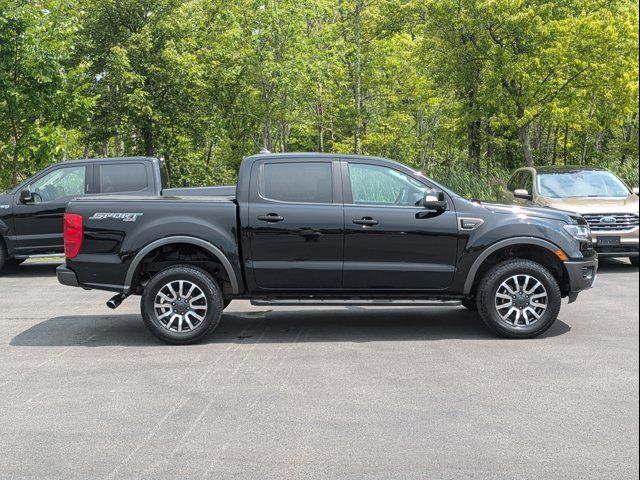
x=519, y=299
x=635, y=261
x=182, y=305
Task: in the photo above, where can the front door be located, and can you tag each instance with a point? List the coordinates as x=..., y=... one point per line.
x=391, y=241
x=296, y=225
x=38, y=224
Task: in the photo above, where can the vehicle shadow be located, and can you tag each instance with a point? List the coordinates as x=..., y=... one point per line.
x=31, y=269
x=357, y=325
x=608, y=266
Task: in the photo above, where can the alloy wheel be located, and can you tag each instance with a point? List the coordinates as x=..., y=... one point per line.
x=521, y=300
x=180, y=306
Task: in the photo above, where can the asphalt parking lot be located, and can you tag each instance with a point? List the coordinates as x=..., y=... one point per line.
x=87, y=392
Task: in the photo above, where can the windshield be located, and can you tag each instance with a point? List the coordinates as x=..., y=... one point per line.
x=581, y=183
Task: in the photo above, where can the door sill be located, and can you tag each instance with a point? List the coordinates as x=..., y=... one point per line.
x=360, y=302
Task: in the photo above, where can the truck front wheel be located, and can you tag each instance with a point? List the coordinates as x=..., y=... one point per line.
x=182, y=305
x=519, y=299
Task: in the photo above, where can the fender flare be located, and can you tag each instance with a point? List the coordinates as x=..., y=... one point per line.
x=499, y=245
x=215, y=251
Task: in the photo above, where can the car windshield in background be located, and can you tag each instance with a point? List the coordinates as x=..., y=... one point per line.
x=585, y=183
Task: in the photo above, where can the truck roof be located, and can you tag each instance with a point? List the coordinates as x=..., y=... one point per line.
x=109, y=159
x=314, y=156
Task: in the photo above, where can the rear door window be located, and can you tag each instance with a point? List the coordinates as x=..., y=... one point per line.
x=123, y=177
x=297, y=182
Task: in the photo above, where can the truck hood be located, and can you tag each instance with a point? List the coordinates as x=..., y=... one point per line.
x=585, y=205
x=546, y=213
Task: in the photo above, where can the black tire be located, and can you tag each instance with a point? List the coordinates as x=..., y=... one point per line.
x=488, y=291
x=18, y=261
x=195, y=276
x=470, y=303
x=635, y=261
x=226, y=303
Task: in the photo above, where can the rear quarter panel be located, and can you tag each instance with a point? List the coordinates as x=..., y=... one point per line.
x=110, y=244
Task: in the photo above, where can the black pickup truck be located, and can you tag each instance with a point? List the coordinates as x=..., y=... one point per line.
x=309, y=229
x=31, y=214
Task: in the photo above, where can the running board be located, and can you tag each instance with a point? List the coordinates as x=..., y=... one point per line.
x=379, y=302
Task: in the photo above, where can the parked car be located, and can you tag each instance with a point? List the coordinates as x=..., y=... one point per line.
x=319, y=229
x=609, y=206
x=31, y=214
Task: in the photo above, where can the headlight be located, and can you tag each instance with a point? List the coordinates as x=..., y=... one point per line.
x=579, y=232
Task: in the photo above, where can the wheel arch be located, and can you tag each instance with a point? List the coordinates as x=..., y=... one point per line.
x=524, y=247
x=198, y=242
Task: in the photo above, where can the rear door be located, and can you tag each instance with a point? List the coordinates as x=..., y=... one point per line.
x=296, y=224
x=38, y=224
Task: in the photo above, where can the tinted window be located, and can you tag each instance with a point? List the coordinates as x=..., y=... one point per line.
x=123, y=177
x=374, y=185
x=527, y=182
x=59, y=183
x=304, y=182
x=514, y=183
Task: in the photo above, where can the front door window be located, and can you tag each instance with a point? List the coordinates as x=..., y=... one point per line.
x=59, y=183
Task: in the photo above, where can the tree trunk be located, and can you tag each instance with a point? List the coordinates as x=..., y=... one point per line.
x=320, y=119
x=147, y=135
x=523, y=136
x=474, y=144
x=357, y=81
x=268, y=133
x=554, y=158
x=583, y=152
x=566, y=139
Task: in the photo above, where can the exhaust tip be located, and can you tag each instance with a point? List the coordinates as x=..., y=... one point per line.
x=115, y=301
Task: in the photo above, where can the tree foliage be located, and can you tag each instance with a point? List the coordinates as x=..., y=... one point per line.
x=462, y=89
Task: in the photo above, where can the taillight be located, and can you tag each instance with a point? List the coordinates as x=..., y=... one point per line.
x=73, y=232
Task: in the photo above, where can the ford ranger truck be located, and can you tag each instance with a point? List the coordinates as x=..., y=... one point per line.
x=31, y=214
x=320, y=229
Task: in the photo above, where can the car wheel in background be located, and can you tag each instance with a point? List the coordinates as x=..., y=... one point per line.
x=519, y=299
x=182, y=304
x=635, y=261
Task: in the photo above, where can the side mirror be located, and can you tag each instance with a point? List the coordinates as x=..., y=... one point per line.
x=434, y=200
x=522, y=193
x=636, y=191
x=26, y=196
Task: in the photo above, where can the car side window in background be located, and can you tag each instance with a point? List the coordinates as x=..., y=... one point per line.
x=527, y=182
x=375, y=185
x=514, y=183
x=123, y=177
x=59, y=183
x=300, y=182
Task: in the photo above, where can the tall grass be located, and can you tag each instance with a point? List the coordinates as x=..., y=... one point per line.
x=468, y=184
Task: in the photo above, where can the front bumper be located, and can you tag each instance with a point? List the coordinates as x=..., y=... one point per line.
x=66, y=276
x=582, y=275
x=627, y=247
